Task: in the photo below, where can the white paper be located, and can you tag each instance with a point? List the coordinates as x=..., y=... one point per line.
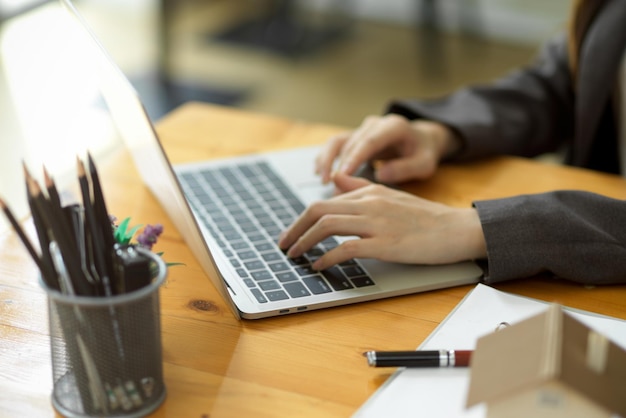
x=435, y=392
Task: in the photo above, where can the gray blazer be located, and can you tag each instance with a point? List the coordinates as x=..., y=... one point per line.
x=575, y=235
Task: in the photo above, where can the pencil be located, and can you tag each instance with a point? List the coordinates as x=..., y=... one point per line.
x=29, y=246
x=53, y=194
x=93, y=236
x=54, y=221
x=101, y=212
x=103, y=222
x=48, y=269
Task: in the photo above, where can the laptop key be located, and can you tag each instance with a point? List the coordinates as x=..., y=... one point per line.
x=299, y=261
x=354, y=271
x=247, y=254
x=330, y=242
x=305, y=270
x=241, y=245
x=256, y=237
x=316, y=284
x=276, y=295
x=269, y=285
x=336, y=279
x=296, y=290
x=287, y=276
x=261, y=275
x=260, y=297
x=279, y=266
x=232, y=236
x=362, y=281
x=248, y=227
x=254, y=265
x=264, y=246
x=274, y=256
x=313, y=254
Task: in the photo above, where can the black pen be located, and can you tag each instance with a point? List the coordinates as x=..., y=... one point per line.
x=423, y=358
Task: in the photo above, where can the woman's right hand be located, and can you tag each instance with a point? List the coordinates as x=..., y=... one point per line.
x=400, y=149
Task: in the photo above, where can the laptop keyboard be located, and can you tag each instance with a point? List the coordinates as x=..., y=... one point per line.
x=245, y=207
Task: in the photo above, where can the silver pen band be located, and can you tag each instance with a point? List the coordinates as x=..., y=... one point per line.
x=447, y=358
x=443, y=358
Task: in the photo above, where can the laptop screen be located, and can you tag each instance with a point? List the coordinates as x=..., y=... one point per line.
x=139, y=135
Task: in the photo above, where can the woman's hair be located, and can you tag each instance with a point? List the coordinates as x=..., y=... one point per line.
x=582, y=14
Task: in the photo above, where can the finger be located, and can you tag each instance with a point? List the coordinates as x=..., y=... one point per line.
x=326, y=226
x=354, y=248
x=350, y=159
x=311, y=215
x=404, y=169
x=345, y=183
x=326, y=158
x=368, y=142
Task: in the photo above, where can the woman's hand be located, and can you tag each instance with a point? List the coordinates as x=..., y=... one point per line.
x=401, y=149
x=391, y=226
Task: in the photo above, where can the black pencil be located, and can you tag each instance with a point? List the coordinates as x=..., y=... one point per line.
x=93, y=236
x=55, y=221
x=101, y=212
x=53, y=194
x=103, y=222
x=45, y=275
x=48, y=269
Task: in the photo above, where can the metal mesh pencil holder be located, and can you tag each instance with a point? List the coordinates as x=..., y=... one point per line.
x=106, y=351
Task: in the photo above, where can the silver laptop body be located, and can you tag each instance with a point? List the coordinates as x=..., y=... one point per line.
x=256, y=279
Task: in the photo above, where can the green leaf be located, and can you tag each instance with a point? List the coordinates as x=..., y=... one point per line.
x=120, y=231
x=160, y=254
x=130, y=234
x=122, y=235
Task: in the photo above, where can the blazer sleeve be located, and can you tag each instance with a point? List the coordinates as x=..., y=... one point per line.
x=526, y=113
x=580, y=236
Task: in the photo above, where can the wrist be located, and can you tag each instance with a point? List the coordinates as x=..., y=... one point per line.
x=474, y=237
x=446, y=140
x=466, y=238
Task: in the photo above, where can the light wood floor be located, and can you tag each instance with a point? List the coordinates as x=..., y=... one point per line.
x=342, y=82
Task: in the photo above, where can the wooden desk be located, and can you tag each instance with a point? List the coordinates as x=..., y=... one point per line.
x=301, y=365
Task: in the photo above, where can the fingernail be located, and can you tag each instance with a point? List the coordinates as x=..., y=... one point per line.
x=382, y=174
x=292, y=252
x=317, y=265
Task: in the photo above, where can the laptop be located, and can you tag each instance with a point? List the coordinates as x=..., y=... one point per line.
x=230, y=212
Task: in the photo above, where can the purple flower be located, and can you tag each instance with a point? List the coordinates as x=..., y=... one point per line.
x=149, y=235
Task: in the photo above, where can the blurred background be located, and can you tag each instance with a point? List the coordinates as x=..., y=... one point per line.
x=315, y=60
